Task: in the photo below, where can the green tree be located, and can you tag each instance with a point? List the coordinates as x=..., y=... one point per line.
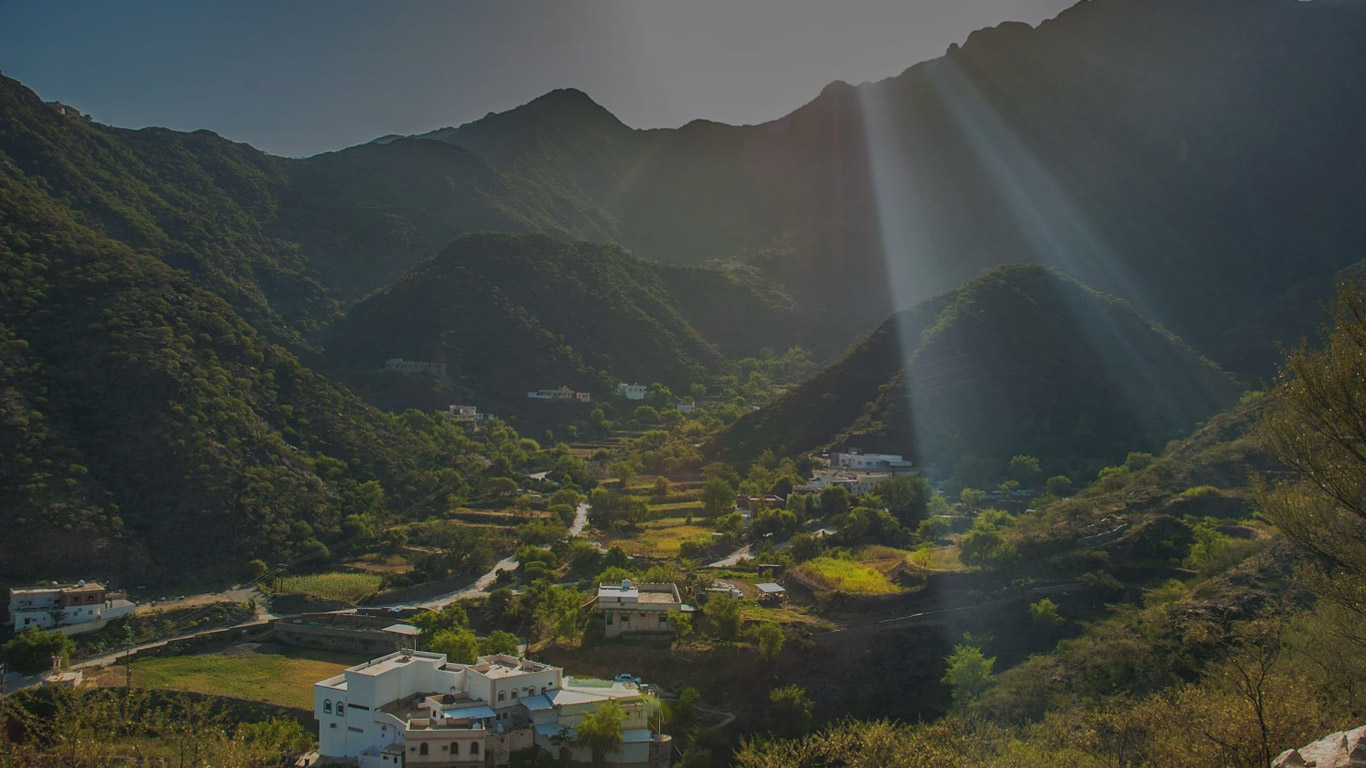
x=792, y=703
x=32, y=650
x=724, y=613
x=1060, y=486
x=499, y=641
x=1045, y=612
x=256, y=569
x=646, y=414
x=718, y=498
x=770, y=638
x=1024, y=470
x=907, y=497
x=1316, y=427
x=687, y=703
x=834, y=500
x=624, y=471
x=983, y=545
x=600, y=730
x=1138, y=460
x=681, y=622
x=968, y=673
x=661, y=487
x=971, y=497
x=459, y=645
x=933, y=529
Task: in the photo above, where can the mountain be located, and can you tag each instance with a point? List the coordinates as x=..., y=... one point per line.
x=510, y=313
x=1191, y=158
x=288, y=243
x=1020, y=360
x=147, y=429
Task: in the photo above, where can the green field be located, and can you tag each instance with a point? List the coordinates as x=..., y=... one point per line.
x=349, y=587
x=848, y=576
x=661, y=538
x=285, y=678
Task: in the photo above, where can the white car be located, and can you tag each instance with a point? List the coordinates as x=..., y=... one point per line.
x=627, y=677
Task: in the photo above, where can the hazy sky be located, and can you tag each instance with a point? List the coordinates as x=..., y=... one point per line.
x=295, y=77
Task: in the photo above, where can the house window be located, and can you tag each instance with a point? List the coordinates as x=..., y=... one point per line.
x=609, y=618
x=422, y=750
x=531, y=690
x=514, y=693
x=474, y=747
x=502, y=695
x=443, y=747
x=327, y=706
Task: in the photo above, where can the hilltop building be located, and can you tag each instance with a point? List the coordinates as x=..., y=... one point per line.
x=857, y=459
x=71, y=608
x=467, y=415
x=637, y=609
x=563, y=394
x=631, y=391
x=407, y=367
x=415, y=708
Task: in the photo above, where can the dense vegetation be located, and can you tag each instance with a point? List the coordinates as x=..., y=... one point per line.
x=513, y=313
x=1021, y=360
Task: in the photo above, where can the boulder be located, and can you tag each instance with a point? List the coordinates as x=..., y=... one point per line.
x=1344, y=749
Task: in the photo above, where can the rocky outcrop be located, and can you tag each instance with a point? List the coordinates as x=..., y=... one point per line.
x=1344, y=749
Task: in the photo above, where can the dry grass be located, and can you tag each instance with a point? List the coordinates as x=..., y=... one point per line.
x=348, y=587
x=660, y=538
x=285, y=678
x=848, y=576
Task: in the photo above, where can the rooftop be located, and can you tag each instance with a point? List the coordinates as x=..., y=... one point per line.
x=395, y=660
x=503, y=666
x=769, y=588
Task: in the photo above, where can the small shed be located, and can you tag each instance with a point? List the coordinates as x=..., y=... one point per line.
x=771, y=593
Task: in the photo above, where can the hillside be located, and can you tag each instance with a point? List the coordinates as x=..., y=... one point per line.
x=148, y=431
x=1021, y=360
x=288, y=243
x=512, y=313
x=1154, y=150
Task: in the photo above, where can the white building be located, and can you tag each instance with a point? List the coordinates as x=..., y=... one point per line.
x=415, y=708
x=72, y=608
x=405, y=367
x=856, y=459
x=469, y=415
x=631, y=391
x=630, y=609
x=687, y=407
x=562, y=394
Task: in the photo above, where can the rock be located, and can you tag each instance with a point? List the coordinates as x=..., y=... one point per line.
x=1344, y=749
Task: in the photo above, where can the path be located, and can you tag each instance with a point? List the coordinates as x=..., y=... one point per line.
x=478, y=588
x=921, y=617
x=733, y=558
x=580, y=520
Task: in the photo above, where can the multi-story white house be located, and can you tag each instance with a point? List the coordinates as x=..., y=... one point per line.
x=630, y=609
x=631, y=391
x=415, y=708
x=856, y=459
x=72, y=608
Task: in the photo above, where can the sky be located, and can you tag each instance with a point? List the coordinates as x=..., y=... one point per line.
x=306, y=76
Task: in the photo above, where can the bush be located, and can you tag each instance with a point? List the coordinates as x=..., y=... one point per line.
x=32, y=650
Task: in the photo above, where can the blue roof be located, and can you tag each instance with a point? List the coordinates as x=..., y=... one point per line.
x=537, y=703
x=468, y=712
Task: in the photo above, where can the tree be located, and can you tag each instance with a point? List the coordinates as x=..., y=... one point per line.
x=459, y=645
x=718, y=498
x=497, y=642
x=256, y=569
x=646, y=414
x=687, y=703
x=971, y=497
x=661, y=488
x=1024, y=470
x=983, y=545
x=1316, y=427
x=1045, y=613
x=1060, y=486
x=906, y=497
x=32, y=650
x=600, y=731
x=834, y=500
x=933, y=529
x=624, y=471
x=770, y=637
x=681, y=622
x=791, y=702
x=968, y=674
x=1138, y=460
x=724, y=613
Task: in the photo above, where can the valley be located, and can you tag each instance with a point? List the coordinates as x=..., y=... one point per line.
x=1004, y=412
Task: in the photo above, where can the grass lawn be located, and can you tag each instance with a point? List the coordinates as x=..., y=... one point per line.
x=848, y=576
x=350, y=587
x=937, y=558
x=661, y=538
x=281, y=678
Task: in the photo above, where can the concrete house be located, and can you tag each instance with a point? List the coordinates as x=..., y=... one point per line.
x=563, y=394
x=631, y=391
x=415, y=708
x=71, y=608
x=633, y=609
x=407, y=367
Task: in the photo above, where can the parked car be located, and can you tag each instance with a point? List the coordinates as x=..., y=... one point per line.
x=627, y=677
